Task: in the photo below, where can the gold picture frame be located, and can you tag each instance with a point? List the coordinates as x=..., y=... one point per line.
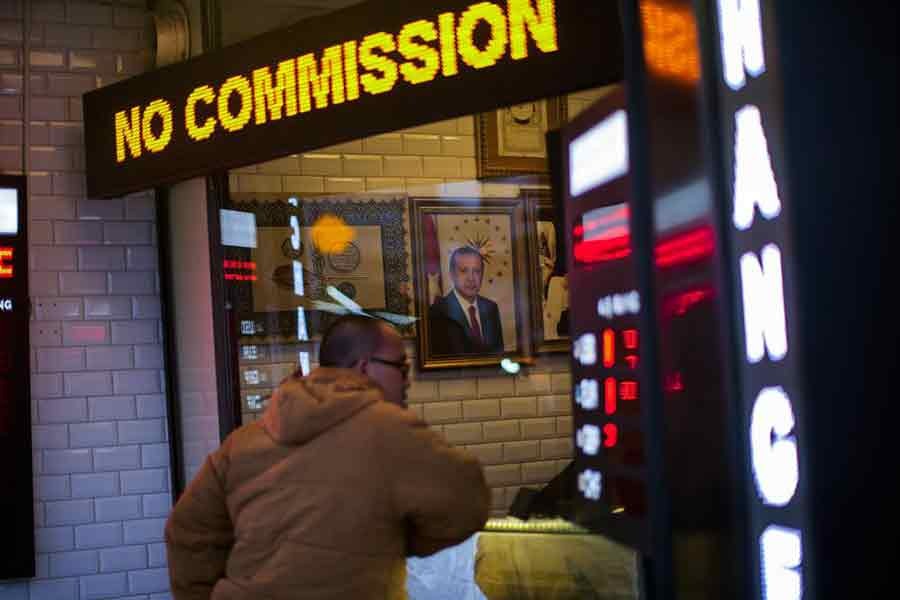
x=495, y=228
x=510, y=140
x=549, y=283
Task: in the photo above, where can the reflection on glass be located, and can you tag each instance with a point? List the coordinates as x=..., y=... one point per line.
x=334, y=232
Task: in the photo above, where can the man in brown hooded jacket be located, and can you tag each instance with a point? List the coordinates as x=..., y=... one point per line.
x=325, y=495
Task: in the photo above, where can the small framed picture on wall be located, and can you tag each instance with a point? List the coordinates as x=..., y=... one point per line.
x=510, y=141
x=547, y=260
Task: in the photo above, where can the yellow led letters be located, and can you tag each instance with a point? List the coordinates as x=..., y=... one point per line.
x=374, y=84
x=283, y=95
x=351, y=74
x=449, y=65
x=241, y=86
x=128, y=133
x=153, y=142
x=204, y=94
x=482, y=35
x=424, y=60
x=471, y=54
x=542, y=28
x=329, y=79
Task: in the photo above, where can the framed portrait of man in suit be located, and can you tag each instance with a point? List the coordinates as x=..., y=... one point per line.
x=471, y=281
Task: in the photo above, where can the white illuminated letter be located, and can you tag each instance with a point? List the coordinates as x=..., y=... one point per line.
x=587, y=394
x=773, y=448
x=585, y=349
x=741, y=33
x=763, y=296
x=754, y=180
x=590, y=484
x=781, y=555
x=588, y=439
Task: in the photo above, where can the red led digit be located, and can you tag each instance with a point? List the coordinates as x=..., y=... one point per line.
x=631, y=360
x=673, y=382
x=609, y=395
x=6, y=268
x=609, y=348
x=630, y=339
x=610, y=435
x=628, y=390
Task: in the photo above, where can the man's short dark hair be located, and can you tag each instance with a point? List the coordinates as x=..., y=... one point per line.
x=349, y=339
x=464, y=251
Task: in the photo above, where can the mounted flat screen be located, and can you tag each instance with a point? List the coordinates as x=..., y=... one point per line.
x=605, y=304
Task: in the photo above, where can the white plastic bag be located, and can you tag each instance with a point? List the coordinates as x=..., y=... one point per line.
x=446, y=575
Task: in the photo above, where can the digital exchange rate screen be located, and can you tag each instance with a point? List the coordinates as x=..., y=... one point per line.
x=605, y=305
x=16, y=502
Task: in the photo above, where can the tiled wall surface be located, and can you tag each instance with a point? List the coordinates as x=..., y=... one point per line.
x=101, y=452
x=519, y=427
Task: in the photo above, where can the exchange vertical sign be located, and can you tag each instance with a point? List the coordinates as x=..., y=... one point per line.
x=758, y=235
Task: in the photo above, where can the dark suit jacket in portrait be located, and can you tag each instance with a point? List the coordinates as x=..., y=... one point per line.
x=449, y=327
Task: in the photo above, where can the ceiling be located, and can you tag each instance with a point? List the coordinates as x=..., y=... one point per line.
x=242, y=19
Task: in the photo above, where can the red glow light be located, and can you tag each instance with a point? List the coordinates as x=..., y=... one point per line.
x=596, y=244
x=679, y=304
x=609, y=395
x=630, y=338
x=610, y=435
x=615, y=243
x=628, y=390
x=632, y=360
x=603, y=249
x=673, y=382
x=6, y=268
x=236, y=277
x=240, y=265
x=620, y=214
x=609, y=348
x=246, y=265
x=600, y=251
x=687, y=247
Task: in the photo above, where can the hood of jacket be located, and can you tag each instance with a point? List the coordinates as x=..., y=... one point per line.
x=302, y=408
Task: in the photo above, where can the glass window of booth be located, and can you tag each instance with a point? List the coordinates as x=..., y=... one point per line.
x=390, y=225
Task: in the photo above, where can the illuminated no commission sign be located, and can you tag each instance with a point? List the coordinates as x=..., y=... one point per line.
x=342, y=72
x=771, y=391
x=386, y=70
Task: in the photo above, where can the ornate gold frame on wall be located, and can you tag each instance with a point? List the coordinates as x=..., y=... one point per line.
x=514, y=209
x=539, y=203
x=489, y=160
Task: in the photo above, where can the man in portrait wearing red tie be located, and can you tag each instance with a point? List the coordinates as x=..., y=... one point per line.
x=464, y=322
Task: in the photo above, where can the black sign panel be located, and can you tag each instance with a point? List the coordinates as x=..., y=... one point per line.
x=364, y=70
x=16, y=501
x=605, y=305
x=763, y=270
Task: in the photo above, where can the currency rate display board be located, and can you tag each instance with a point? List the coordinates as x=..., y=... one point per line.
x=605, y=304
x=16, y=502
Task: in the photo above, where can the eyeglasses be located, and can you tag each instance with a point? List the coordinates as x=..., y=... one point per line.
x=400, y=365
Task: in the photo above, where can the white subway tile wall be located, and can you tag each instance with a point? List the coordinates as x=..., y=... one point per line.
x=101, y=451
